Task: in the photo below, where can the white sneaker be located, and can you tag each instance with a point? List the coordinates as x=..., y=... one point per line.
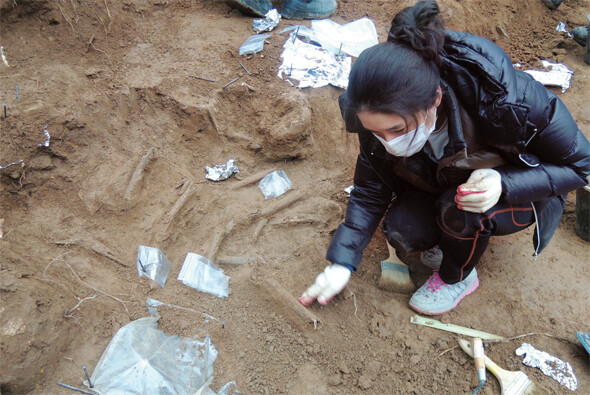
x=432, y=258
x=437, y=297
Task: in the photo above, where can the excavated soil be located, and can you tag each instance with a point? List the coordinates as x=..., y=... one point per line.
x=108, y=80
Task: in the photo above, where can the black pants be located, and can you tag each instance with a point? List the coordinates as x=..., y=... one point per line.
x=417, y=221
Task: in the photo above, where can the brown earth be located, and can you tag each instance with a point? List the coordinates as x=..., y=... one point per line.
x=108, y=80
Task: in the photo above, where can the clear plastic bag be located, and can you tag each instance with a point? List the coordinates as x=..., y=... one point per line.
x=153, y=264
x=351, y=38
x=202, y=274
x=141, y=359
x=253, y=44
x=275, y=184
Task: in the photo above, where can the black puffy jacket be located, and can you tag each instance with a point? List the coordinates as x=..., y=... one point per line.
x=545, y=154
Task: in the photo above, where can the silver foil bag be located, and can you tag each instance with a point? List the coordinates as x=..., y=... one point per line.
x=560, y=371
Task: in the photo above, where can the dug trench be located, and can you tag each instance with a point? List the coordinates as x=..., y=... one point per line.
x=131, y=134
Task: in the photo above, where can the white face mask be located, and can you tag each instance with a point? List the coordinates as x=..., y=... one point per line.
x=410, y=143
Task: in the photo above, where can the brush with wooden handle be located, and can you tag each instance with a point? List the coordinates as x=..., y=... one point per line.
x=480, y=365
x=395, y=275
x=511, y=383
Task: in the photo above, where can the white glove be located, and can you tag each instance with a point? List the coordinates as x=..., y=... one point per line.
x=327, y=284
x=481, y=191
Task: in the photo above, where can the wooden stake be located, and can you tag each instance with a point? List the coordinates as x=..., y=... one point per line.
x=251, y=179
x=138, y=173
x=236, y=260
x=282, y=204
x=218, y=239
x=258, y=230
x=190, y=188
x=93, y=245
x=284, y=296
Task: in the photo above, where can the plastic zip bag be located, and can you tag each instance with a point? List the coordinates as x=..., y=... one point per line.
x=275, y=184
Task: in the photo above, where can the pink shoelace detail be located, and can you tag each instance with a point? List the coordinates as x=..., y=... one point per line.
x=434, y=283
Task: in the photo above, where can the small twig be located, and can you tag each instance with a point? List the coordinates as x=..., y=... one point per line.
x=158, y=28
x=68, y=314
x=200, y=78
x=180, y=308
x=106, y=34
x=66, y=17
x=102, y=250
x=100, y=50
x=77, y=389
x=95, y=246
x=249, y=73
x=231, y=82
x=90, y=42
x=107, y=7
x=57, y=258
x=96, y=289
x=447, y=350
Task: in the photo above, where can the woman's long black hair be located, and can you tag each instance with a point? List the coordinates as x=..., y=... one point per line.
x=401, y=76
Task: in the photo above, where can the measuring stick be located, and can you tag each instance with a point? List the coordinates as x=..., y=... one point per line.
x=418, y=320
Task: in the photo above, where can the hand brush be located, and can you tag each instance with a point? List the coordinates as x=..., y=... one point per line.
x=395, y=276
x=511, y=383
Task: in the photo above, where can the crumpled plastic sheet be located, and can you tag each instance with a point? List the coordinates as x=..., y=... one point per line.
x=141, y=359
x=153, y=264
x=275, y=184
x=561, y=27
x=559, y=75
x=47, y=137
x=44, y=144
x=560, y=371
x=270, y=21
x=222, y=172
x=200, y=273
x=313, y=66
x=351, y=38
x=253, y=44
x=11, y=164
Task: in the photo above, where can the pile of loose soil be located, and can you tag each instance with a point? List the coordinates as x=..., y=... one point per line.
x=131, y=134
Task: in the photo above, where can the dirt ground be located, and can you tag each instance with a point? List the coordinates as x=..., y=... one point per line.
x=108, y=80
